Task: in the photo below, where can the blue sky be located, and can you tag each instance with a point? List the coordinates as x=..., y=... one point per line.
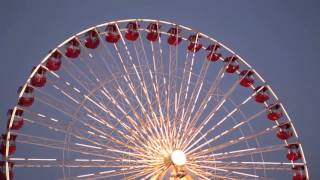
x=281, y=39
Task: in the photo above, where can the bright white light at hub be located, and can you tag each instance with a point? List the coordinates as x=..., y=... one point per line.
x=178, y=157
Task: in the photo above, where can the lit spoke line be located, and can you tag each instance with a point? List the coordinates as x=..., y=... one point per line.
x=215, y=109
x=154, y=173
x=182, y=92
x=121, y=92
x=226, y=171
x=109, y=96
x=148, y=172
x=44, y=140
x=106, y=174
x=235, y=127
x=124, y=172
x=103, y=109
x=114, y=77
x=130, y=81
x=131, y=87
x=157, y=64
x=147, y=136
x=157, y=74
x=203, y=174
x=130, y=119
x=240, y=153
x=77, y=132
x=195, y=94
x=208, y=97
x=233, y=141
x=75, y=163
x=170, y=88
x=184, y=89
x=91, y=64
x=250, y=165
x=143, y=58
x=77, y=74
x=58, y=105
x=236, y=109
x=82, y=135
x=165, y=118
x=172, y=84
x=54, y=144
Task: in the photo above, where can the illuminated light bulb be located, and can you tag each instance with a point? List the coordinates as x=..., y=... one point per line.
x=178, y=157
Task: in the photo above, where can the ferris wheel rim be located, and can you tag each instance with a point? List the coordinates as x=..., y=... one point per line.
x=41, y=64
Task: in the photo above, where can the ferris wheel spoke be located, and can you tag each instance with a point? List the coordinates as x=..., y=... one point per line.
x=75, y=163
x=214, y=110
x=122, y=91
x=49, y=100
x=196, y=92
x=241, y=152
x=62, y=107
x=233, y=128
x=132, y=87
x=142, y=61
x=148, y=136
x=233, y=141
x=81, y=134
x=74, y=72
x=185, y=84
x=157, y=64
x=186, y=77
x=55, y=144
x=80, y=148
x=234, y=165
x=145, y=174
x=158, y=68
x=228, y=115
x=209, y=96
x=106, y=174
x=164, y=93
x=203, y=173
x=226, y=173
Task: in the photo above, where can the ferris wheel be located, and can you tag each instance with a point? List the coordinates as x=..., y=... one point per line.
x=148, y=99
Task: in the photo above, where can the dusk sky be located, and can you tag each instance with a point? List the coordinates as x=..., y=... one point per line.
x=280, y=39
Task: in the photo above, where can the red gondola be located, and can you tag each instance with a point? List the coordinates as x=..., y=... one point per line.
x=299, y=173
x=213, y=54
x=153, y=33
x=275, y=112
x=54, y=61
x=233, y=65
x=174, y=36
x=285, y=131
x=73, y=48
x=132, y=33
x=246, y=78
x=262, y=95
x=112, y=34
x=27, y=98
x=194, y=45
x=293, y=152
x=39, y=79
x=17, y=120
x=3, y=170
x=12, y=144
x=92, y=39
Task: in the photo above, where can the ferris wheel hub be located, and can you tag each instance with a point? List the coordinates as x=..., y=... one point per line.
x=178, y=157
